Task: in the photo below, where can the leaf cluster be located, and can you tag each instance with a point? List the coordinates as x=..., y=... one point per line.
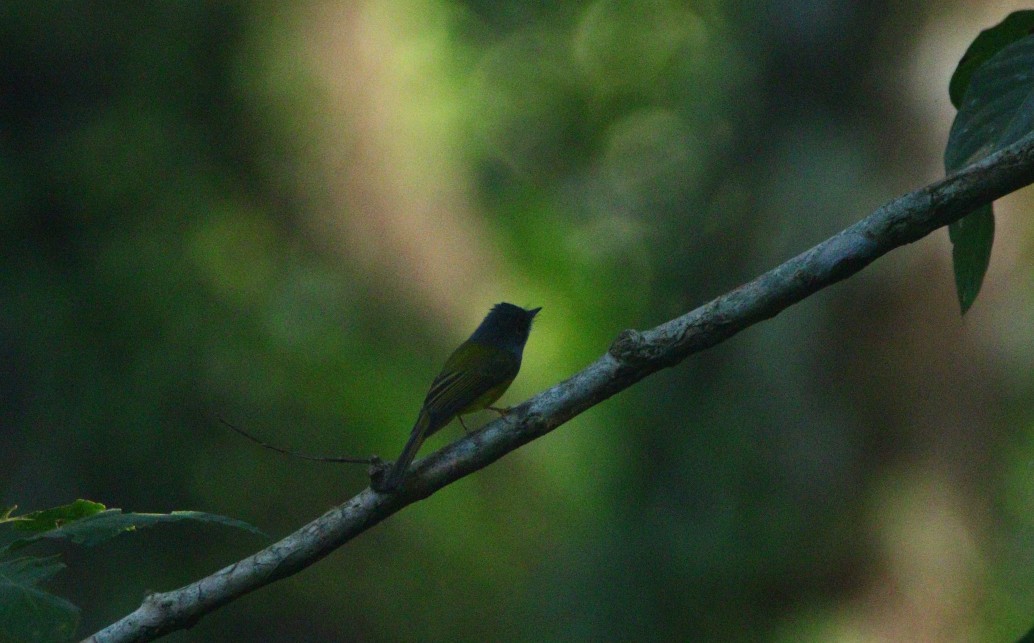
x=30, y=613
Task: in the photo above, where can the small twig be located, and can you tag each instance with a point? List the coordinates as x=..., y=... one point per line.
x=372, y=460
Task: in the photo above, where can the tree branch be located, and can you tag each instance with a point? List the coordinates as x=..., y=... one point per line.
x=631, y=357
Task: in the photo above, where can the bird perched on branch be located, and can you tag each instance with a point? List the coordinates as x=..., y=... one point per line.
x=475, y=375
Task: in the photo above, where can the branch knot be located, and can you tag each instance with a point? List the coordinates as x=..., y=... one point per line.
x=628, y=347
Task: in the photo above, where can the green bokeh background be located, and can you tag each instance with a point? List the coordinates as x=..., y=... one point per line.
x=288, y=215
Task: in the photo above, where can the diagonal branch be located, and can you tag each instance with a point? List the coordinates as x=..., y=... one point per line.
x=633, y=356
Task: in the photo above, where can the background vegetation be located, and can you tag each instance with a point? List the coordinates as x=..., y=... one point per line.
x=289, y=216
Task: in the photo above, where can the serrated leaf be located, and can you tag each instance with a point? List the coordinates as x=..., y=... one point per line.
x=971, y=240
x=28, y=613
x=103, y=526
x=30, y=570
x=998, y=110
x=1016, y=25
x=12, y=527
x=51, y=518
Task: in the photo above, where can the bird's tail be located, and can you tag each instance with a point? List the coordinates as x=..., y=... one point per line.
x=421, y=430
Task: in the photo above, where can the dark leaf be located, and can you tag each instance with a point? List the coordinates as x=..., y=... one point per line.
x=1016, y=25
x=971, y=240
x=28, y=613
x=998, y=110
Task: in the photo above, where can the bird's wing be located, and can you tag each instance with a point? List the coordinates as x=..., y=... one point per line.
x=473, y=374
x=459, y=385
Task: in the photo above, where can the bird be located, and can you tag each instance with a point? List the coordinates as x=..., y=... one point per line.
x=476, y=375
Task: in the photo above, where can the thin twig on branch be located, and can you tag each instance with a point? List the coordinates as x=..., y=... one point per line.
x=340, y=459
x=631, y=357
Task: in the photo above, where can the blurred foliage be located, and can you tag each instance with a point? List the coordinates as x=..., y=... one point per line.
x=287, y=215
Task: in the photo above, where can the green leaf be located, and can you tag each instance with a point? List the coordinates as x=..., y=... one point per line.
x=107, y=524
x=30, y=570
x=990, y=41
x=11, y=527
x=997, y=111
x=971, y=239
x=51, y=518
x=27, y=613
